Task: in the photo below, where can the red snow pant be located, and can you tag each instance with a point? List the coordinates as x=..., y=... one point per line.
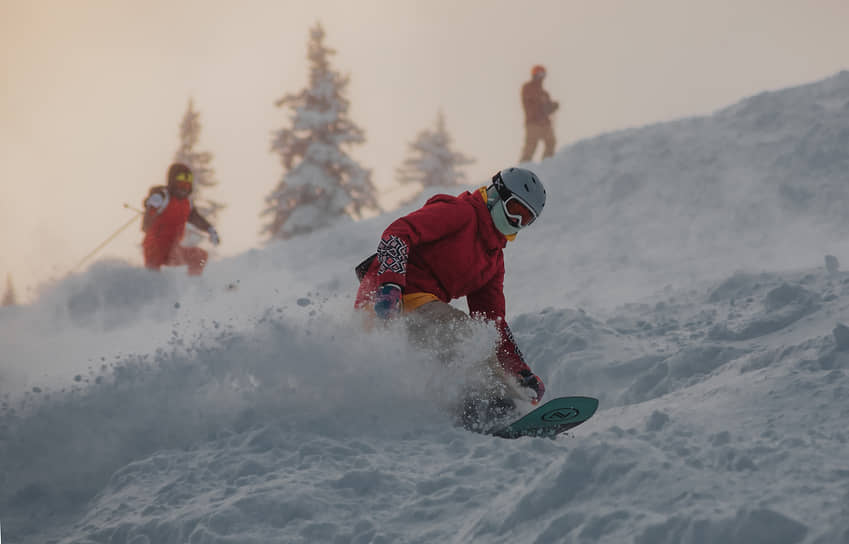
x=156, y=257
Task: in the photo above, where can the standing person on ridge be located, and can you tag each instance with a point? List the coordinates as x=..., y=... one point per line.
x=538, y=109
x=450, y=248
x=167, y=210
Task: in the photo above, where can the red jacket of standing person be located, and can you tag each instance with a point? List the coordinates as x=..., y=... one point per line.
x=450, y=248
x=167, y=210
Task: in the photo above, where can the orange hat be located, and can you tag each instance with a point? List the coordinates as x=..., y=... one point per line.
x=538, y=71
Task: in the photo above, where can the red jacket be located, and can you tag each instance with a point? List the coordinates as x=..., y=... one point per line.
x=449, y=248
x=164, y=224
x=169, y=225
x=537, y=103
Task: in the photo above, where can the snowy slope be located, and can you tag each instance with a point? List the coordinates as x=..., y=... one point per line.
x=677, y=275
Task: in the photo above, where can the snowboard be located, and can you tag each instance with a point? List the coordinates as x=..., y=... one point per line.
x=552, y=418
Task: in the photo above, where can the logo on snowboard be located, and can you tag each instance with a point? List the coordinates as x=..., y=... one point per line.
x=561, y=415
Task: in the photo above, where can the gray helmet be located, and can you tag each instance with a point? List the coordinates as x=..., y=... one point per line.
x=528, y=190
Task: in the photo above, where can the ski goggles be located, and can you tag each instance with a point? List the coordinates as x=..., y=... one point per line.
x=518, y=212
x=184, y=176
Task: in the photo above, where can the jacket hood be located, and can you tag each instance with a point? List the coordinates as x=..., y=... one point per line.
x=486, y=228
x=174, y=170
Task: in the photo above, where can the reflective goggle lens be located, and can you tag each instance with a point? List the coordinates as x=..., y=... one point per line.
x=184, y=176
x=518, y=213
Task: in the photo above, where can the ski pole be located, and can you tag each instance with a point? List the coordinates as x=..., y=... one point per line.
x=112, y=237
x=138, y=211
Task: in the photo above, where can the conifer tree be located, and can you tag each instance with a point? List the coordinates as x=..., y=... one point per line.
x=432, y=162
x=200, y=163
x=321, y=182
x=9, y=297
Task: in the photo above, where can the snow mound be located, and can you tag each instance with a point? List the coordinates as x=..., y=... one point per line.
x=677, y=276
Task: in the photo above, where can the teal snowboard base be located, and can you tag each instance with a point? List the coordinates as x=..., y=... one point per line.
x=552, y=418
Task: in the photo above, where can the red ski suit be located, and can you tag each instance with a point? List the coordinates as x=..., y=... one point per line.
x=449, y=248
x=162, y=239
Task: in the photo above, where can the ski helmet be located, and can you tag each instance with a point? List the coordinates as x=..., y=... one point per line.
x=180, y=178
x=515, y=199
x=538, y=71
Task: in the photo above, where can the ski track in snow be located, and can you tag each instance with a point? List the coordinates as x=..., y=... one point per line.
x=249, y=406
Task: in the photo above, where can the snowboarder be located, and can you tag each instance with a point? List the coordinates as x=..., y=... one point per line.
x=167, y=210
x=538, y=109
x=450, y=248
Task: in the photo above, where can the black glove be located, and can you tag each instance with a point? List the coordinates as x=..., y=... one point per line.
x=534, y=383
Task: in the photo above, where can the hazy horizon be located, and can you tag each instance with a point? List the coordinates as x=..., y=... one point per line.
x=96, y=91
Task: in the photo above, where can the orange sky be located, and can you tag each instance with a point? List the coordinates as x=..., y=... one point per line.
x=94, y=90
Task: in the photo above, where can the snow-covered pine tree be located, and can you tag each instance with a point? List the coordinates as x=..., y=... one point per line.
x=432, y=162
x=200, y=162
x=9, y=297
x=321, y=182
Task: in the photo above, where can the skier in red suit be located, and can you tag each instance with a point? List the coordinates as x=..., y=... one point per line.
x=452, y=247
x=167, y=210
